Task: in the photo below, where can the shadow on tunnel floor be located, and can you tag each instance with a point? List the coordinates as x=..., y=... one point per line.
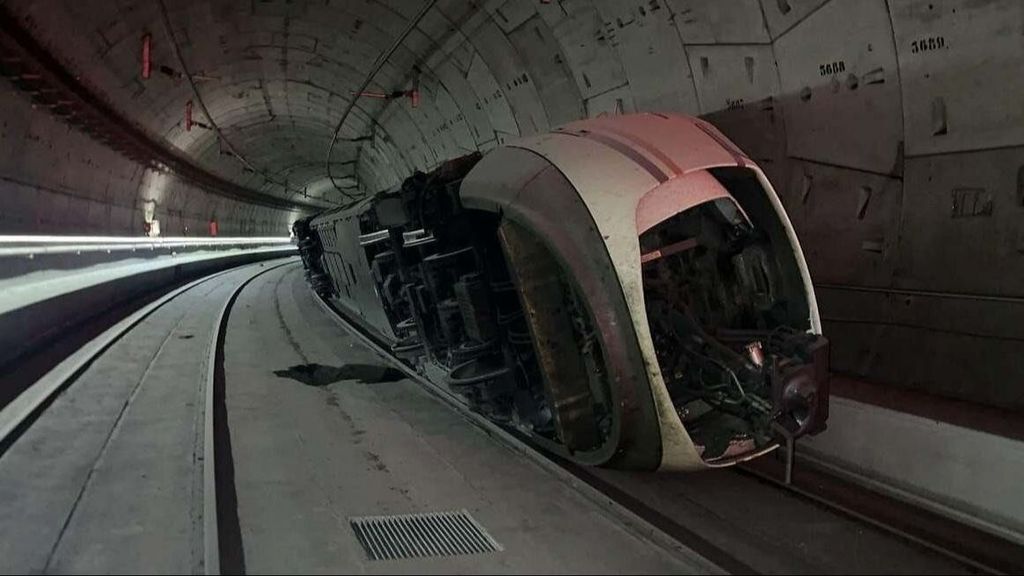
x=319, y=375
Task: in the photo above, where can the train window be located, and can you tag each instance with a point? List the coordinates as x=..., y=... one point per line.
x=751, y=197
x=332, y=263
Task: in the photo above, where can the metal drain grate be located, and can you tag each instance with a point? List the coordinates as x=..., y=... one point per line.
x=422, y=535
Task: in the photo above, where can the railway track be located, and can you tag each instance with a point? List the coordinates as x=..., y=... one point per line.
x=974, y=550
x=220, y=542
x=620, y=495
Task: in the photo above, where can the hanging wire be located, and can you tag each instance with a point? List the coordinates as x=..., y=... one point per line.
x=213, y=124
x=381, y=60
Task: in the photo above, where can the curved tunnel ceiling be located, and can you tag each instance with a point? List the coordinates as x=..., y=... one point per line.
x=867, y=85
x=275, y=75
x=282, y=70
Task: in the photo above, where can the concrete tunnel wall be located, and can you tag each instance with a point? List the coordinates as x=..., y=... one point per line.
x=56, y=180
x=893, y=130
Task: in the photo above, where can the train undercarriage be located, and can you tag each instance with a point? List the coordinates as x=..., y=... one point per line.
x=484, y=305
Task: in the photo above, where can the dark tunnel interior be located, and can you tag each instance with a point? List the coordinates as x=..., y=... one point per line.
x=897, y=153
x=425, y=163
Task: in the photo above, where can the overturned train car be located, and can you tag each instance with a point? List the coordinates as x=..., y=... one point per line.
x=627, y=291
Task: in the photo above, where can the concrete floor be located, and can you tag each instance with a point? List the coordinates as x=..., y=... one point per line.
x=109, y=478
x=308, y=457
x=295, y=446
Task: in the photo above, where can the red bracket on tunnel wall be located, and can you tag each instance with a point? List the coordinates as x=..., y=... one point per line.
x=190, y=121
x=147, y=61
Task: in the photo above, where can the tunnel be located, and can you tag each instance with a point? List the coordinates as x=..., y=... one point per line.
x=224, y=134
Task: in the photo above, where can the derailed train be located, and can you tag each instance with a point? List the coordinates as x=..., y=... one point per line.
x=627, y=291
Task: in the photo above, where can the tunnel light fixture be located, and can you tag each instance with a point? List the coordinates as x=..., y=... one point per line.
x=33, y=246
x=413, y=95
x=380, y=95
x=52, y=239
